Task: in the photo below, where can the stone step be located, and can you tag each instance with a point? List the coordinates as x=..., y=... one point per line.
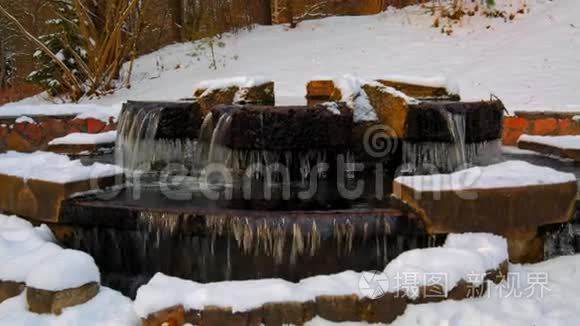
x=567, y=147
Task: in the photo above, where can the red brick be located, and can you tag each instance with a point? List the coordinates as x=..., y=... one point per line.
x=94, y=126
x=516, y=123
x=54, y=128
x=33, y=132
x=548, y=126
x=80, y=125
x=510, y=136
x=565, y=126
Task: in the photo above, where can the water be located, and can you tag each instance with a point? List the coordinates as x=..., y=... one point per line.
x=138, y=149
x=439, y=157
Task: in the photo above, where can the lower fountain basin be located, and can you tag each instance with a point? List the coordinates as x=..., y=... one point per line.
x=207, y=240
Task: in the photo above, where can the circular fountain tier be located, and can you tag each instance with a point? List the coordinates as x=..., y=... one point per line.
x=133, y=237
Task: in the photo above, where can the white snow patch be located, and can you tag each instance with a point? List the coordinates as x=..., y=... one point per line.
x=81, y=111
x=501, y=175
x=67, y=269
x=25, y=119
x=353, y=94
x=78, y=138
x=332, y=107
x=243, y=82
x=52, y=167
x=563, y=142
x=464, y=256
x=108, y=308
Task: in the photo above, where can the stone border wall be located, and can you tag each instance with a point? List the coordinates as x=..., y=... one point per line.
x=31, y=137
x=540, y=124
x=347, y=308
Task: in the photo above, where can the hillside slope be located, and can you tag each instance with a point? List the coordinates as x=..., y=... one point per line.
x=532, y=62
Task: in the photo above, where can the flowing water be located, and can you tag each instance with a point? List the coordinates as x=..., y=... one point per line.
x=440, y=157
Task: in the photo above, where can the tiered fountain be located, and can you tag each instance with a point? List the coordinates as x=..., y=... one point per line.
x=258, y=191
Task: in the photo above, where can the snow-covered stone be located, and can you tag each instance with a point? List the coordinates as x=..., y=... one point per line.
x=66, y=270
x=86, y=139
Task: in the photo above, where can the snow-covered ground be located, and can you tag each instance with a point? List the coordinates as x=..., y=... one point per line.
x=29, y=255
x=531, y=62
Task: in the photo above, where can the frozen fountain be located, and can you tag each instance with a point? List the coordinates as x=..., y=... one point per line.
x=259, y=191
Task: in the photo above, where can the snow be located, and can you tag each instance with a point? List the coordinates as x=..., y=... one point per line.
x=502, y=175
x=24, y=119
x=480, y=60
x=86, y=139
x=353, y=94
x=108, y=308
x=29, y=255
x=563, y=142
x=52, y=167
x=463, y=257
x=81, y=111
x=479, y=254
x=241, y=82
x=78, y=267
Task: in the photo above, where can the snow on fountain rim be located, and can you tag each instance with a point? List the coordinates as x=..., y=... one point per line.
x=507, y=174
x=461, y=256
x=80, y=111
x=428, y=81
x=79, y=268
x=562, y=142
x=238, y=81
x=351, y=90
x=81, y=138
x=465, y=257
x=51, y=167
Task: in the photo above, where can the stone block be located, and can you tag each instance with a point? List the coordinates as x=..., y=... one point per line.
x=18, y=142
x=546, y=126
x=391, y=110
x=287, y=313
x=80, y=149
x=172, y=316
x=257, y=95
x=41, y=200
x=53, y=302
x=9, y=289
x=496, y=210
x=422, y=92
x=382, y=310
x=568, y=153
x=285, y=128
x=338, y=308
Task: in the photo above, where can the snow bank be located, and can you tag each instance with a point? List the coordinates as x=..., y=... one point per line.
x=351, y=89
x=81, y=111
x=563, y=142
x=462, y=255
x=66, y=270
x=20, y=266
x=52, y=167
x=108, y=308
x=502, y=175
x=79, y=138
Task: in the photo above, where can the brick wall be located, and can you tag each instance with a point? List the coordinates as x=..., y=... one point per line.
x=539, y=123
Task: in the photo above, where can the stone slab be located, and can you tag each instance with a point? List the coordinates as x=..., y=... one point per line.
x=9, y=289
x=41, y=200
x=53, y=302
x=567, y=153
x=498, y=211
